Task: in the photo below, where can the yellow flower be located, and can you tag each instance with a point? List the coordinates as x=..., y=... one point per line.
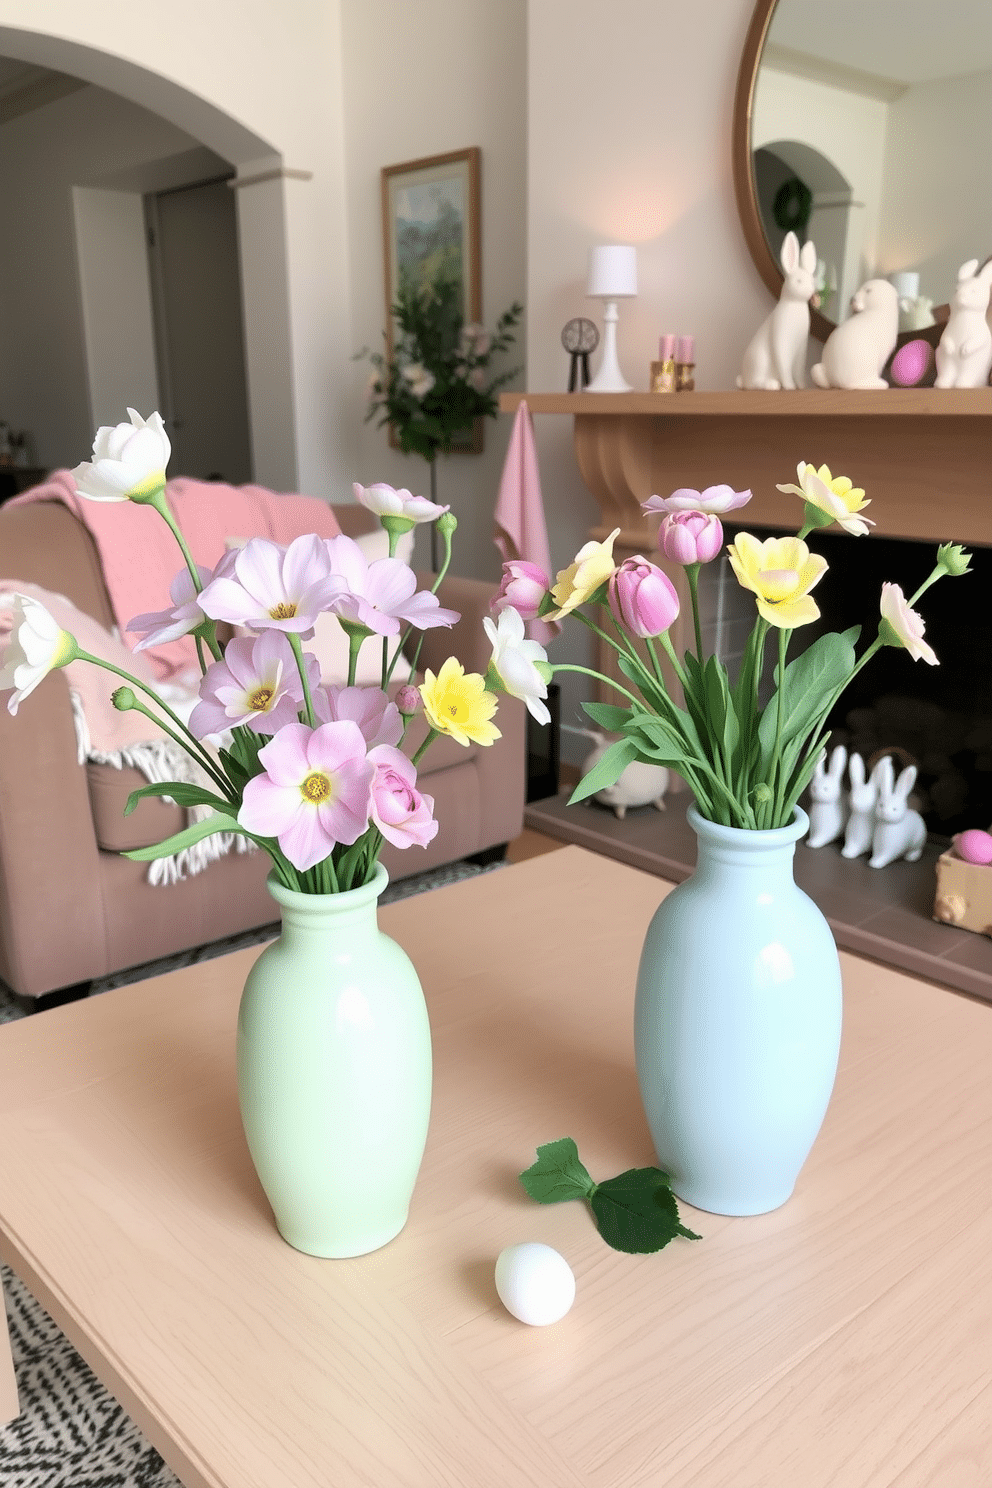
x=592, y=567
x=835, y=496
x=780, y=571
x=459, y=705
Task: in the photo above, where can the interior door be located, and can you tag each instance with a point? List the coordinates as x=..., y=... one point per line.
x=196, y=295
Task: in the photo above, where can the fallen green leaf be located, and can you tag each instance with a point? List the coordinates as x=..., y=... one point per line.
x=635, y=1212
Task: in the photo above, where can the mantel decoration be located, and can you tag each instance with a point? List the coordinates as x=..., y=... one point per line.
x=738, y=1007
x=334, y=1048
x=433, y=386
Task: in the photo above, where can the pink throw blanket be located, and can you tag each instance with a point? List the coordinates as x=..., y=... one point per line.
x=139, y=554
x=108, y=737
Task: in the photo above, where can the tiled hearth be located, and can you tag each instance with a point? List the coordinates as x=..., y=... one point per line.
x=882, y=913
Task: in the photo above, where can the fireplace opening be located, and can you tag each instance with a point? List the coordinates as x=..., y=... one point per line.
x=937, y=717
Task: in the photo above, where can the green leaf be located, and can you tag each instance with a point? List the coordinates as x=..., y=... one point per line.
x=186, y=838
x=180, y=792
x=606, y=771
x=815, y=675
x=637, y=1212
x=608, y=716
x=720, y=707
x=558, y=1174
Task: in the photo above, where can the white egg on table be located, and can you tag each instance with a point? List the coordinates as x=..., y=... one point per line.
x=534, y=1283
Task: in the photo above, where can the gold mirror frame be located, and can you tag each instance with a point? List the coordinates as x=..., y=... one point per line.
x=744, y=187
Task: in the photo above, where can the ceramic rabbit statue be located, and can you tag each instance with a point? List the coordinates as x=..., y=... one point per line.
x=776, y=354
x=899, y=832
x=863, y=799
x=640, y=784
x=964, y=354
x=856, y=351
x=827, y=807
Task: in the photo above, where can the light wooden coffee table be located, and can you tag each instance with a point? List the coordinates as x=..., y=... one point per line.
x=842, y=1341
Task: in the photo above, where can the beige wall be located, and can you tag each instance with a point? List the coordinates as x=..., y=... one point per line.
x=629, y=141
x=422, y=80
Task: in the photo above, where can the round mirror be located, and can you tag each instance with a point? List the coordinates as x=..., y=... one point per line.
x=864, y=128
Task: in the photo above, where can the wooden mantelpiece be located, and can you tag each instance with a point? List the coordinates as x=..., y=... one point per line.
x=923, y=455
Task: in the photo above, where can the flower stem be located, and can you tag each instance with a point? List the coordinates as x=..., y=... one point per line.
x=297, y=648
x=692, y=574
x=562, y=666
x=190, y=743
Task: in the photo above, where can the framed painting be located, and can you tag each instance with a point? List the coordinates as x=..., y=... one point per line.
x=431, y=225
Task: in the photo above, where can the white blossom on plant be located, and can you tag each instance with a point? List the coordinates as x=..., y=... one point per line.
x=37, y=645
x=385, y=501
x=129, y=460
x=516, y=662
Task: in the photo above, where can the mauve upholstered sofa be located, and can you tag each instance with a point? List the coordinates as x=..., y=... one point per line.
x=71, y=908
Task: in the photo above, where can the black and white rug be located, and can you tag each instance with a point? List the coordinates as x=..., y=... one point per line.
x=71, y=1432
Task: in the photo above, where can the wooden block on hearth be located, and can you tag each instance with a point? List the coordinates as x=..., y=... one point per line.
x=964, y=893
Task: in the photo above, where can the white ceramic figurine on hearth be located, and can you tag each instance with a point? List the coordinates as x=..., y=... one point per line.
x=640, y=784
x=776, y=355
x=827, y=802
x=899, y=832
x=856, y=351
x=964, y=355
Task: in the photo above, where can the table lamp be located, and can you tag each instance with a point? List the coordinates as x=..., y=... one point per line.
x=612, y=277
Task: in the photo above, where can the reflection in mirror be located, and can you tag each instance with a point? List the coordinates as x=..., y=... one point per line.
x=869, y=135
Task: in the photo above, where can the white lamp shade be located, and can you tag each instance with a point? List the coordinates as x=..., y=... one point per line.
x=612, y=272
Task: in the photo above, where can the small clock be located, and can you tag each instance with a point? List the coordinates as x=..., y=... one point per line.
x=579, y=338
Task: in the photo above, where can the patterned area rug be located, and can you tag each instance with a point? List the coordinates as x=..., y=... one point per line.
x=71, y=1432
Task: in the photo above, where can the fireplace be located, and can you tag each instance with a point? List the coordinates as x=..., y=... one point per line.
x=936, y=717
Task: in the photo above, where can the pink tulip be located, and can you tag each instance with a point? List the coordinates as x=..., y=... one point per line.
x=642, y=598
x=690, y=537
x=524, y=588
x=404, y=817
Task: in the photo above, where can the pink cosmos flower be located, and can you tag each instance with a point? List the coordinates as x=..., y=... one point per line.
x=168, y=625
x=642, y=598
x=523, y=588
x=404, y=817
x=385, y=501
x=271, y=587
x=380, y=594
x=369, y=707
x=690, y=537
x=257, y=684
x=906, y=624
x=315, y=793
x=714, y=501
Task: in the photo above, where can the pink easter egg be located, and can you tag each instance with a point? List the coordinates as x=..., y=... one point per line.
x=910, y=363
x=975, y=846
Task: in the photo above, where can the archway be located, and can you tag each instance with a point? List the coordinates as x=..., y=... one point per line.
x=258, y=167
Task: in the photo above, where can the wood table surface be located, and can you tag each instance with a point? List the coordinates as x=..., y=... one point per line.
x=844, y=1340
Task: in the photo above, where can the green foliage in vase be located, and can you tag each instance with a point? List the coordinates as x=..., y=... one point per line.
x=438, y=381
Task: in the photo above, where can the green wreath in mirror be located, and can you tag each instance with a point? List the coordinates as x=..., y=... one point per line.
x=792, y=205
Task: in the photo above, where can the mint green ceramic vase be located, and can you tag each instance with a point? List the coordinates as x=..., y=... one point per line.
x=334, y=1072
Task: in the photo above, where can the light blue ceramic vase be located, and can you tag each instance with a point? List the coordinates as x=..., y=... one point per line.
x=737, y=1021
x=334, y=1073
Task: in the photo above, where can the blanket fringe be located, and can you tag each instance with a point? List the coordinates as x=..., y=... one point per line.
x=159, y=760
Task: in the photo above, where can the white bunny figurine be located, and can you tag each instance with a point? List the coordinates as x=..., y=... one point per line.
x=863, y=798
x=827, y=809
x=964, y=355
x=899, y=832
x=776, y=355
x=856, y=351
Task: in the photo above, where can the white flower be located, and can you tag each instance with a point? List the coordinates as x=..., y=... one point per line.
x=38, y=645
x=515, y=661
x=421, y=381
x=128, y=461
x=387, y=502
x=902, y=626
